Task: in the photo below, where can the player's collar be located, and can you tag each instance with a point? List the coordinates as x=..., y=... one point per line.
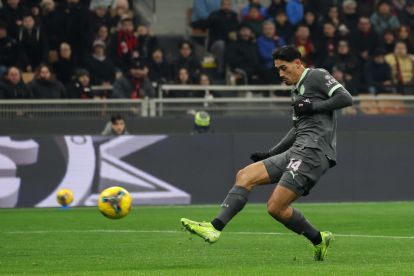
x=304, y=73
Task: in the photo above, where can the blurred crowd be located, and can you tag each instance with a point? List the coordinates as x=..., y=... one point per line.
x=64, y=48
x=366, y=45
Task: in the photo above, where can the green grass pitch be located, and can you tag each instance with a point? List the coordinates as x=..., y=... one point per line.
x=371, y=239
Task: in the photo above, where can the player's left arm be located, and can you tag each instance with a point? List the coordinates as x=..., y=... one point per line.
x=337, y=96
x=340, y=98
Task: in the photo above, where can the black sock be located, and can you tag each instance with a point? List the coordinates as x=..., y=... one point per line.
x=232, y=204
x=218, y=224
x=300, y=225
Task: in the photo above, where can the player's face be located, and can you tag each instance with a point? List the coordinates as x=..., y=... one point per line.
x=289, y=72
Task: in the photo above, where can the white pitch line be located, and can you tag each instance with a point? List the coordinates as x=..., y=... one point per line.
x=176, y=232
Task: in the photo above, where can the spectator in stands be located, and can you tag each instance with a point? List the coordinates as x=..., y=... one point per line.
x=254, y=3
x=382, y=19
x=201, y=11
x=99, y=17
x=404, y=34
x=12, y=15
x=186, y=59
x=116, y=126
x=119, y=10
x=283, y=27
x=223, y=25
x=350, y=16
x=51, y=24
x=294, y=11
x=388, y=41
x=377, y=74
x=339, y=75
x=304, y=44
x=100, y=3
x=402, y=67
x=136, y=84
x=347, y=62
x=147, y=42
x=333, y=16
x=158, y=67
x=65, y=67
x=123, y=45
x=45, y=85
x=266, y=44
x=103, y=35
x=75, y=28
x=254, y=20
x=183, y=78
x=407, y=15
x=33, y=43
x=102, y=69
x=80, y=87
x=327, y=44
x=10, y=53
x=275, y=7
x=204, y=79
x=243, y=58
x=12, y=86
x=364, y=40
x=311, y=21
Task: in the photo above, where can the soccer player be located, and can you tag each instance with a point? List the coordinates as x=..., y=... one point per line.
x=297, y=162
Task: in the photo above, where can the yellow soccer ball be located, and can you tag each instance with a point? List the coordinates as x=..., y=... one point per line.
x=64, y=197
x=115, y=202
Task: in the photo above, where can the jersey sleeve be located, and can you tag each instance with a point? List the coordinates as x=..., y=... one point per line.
x=325, y=83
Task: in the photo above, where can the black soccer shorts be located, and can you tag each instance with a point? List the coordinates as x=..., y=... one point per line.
x=297, y=169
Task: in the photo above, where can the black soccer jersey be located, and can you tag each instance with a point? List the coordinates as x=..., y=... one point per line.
x=317, y=130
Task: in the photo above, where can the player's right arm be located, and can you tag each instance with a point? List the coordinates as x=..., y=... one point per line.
x=282, y=146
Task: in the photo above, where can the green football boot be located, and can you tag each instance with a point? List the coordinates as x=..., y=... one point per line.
x=205, y=230
x=320, y=250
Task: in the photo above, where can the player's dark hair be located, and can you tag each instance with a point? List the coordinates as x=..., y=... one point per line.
x=287, y=53
x=117, y=117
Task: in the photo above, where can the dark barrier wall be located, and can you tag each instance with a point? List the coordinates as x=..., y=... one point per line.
x=182, y=169
x=172, y=125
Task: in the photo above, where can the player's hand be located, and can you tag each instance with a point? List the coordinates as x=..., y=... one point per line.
x=303, y=107
x=259, y=156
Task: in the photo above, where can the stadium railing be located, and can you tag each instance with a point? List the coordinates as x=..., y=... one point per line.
x=256, y=100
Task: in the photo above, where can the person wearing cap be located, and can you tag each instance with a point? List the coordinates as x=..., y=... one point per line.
x=100, y=66
x=135, y=84
x=201, y=123
x=377, y=74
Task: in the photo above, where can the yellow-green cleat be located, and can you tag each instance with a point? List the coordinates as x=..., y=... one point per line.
x=205, y=230
x=320, y=250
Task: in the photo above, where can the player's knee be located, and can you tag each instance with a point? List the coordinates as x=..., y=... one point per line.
x=277, y=211
x=243, y=179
